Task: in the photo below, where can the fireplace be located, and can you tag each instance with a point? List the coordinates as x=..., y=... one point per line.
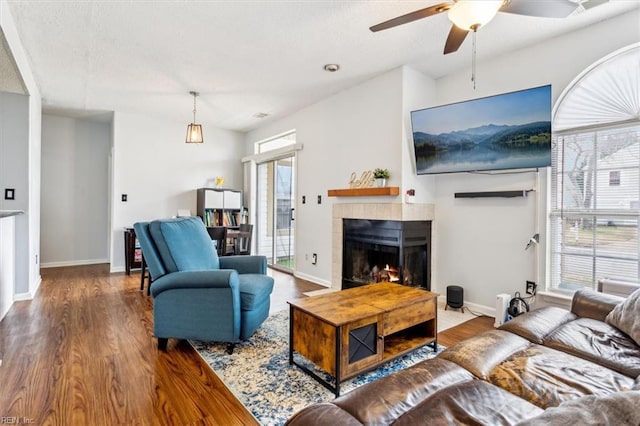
x=386, y=250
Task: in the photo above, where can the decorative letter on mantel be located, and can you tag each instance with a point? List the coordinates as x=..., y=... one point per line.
x=366, y=180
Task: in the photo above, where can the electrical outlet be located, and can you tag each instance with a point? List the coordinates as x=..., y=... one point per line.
x=315, y=259
x=124, y=198
x=319, y=199
x=304, y=199
x=531, y=287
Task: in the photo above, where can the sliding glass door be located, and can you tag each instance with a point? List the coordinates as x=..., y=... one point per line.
x=276, y=212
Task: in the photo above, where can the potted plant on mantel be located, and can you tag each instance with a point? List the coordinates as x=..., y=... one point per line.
x=381, y=176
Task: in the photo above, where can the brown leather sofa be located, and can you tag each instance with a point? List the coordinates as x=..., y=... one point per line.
x=550, y=366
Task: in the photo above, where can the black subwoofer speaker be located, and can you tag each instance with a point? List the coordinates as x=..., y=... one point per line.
x=455, y=296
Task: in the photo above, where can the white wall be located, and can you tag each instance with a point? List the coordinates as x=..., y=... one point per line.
x=14, y=173
x=28, y=225
x=160, y=173
x=419, y=91
x=352, y=131
x=481, y=241
x=75, y=199
x=14, y=150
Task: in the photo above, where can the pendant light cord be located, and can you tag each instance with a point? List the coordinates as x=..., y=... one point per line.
x=474, y=28
x=194, y=105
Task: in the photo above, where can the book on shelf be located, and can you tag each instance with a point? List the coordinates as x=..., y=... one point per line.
x=211, y=218
x=214, y=217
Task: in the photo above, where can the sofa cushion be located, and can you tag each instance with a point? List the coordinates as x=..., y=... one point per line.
x=598, y=342
x=536, y=325
x=619, y=408
x=184, y=244
x=254, y=290
x=626, y=316
x=547, y=377
x=386, y=399
x=323, y=414
x=481, y=353
x=469, y=403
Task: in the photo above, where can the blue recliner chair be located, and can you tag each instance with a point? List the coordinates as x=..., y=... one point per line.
x=196, y=294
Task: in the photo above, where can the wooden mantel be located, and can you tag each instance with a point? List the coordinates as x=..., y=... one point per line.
x=364, y=192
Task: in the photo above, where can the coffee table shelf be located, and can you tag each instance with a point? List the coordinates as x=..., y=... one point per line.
x=352, y=331
x=401, y=343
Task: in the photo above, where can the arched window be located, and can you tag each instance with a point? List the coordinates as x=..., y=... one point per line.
x=595, y=175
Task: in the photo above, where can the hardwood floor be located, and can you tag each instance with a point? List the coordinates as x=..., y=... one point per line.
x=465, y=330
x=82, y=352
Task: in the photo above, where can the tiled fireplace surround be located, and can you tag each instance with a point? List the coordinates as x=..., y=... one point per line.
x=371, y=211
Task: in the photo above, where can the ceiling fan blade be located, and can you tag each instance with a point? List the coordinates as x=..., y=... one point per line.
x=455, y=39
x=412, y=16
x=541, y=9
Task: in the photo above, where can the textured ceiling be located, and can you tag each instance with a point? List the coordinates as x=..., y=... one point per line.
x=10, y=79
x=244, y=57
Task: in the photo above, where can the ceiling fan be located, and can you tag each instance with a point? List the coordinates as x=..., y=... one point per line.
x=469, y=15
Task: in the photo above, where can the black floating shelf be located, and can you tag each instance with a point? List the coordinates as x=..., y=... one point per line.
x=500, y=194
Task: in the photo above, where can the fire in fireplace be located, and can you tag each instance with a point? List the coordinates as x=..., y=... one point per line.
x=386, y=250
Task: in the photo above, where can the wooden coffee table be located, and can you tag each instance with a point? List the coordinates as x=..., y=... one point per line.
x=351, y=331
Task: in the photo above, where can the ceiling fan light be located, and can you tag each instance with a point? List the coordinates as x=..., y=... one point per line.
x=467, y=14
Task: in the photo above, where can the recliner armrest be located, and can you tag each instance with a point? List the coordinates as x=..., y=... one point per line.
x=245, y=264
x=587, y=303
x=216, y=278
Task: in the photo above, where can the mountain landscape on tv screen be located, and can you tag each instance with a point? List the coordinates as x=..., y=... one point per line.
x=485, y=147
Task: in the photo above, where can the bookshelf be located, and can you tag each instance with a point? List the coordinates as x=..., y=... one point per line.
x=221, y=207
x=132, y=251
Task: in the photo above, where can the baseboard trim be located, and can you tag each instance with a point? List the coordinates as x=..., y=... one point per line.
x=73, y=263
x=311, y=278
x=480, y=309
x=116, y=269
x=19, y=297
x=476, y=308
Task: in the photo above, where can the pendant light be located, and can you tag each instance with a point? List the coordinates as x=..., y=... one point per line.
x=194, y=131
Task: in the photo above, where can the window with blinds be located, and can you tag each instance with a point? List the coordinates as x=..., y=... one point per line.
x=595, y=206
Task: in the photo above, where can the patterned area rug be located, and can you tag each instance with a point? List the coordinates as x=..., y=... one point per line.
x=259, y=374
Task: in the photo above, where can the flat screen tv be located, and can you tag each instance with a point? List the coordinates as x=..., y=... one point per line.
x=506, y=131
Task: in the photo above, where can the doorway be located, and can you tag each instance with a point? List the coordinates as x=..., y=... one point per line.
x=276, y=212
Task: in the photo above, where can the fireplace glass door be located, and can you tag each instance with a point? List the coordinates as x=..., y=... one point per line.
x=366, y=263
x=385, y=251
